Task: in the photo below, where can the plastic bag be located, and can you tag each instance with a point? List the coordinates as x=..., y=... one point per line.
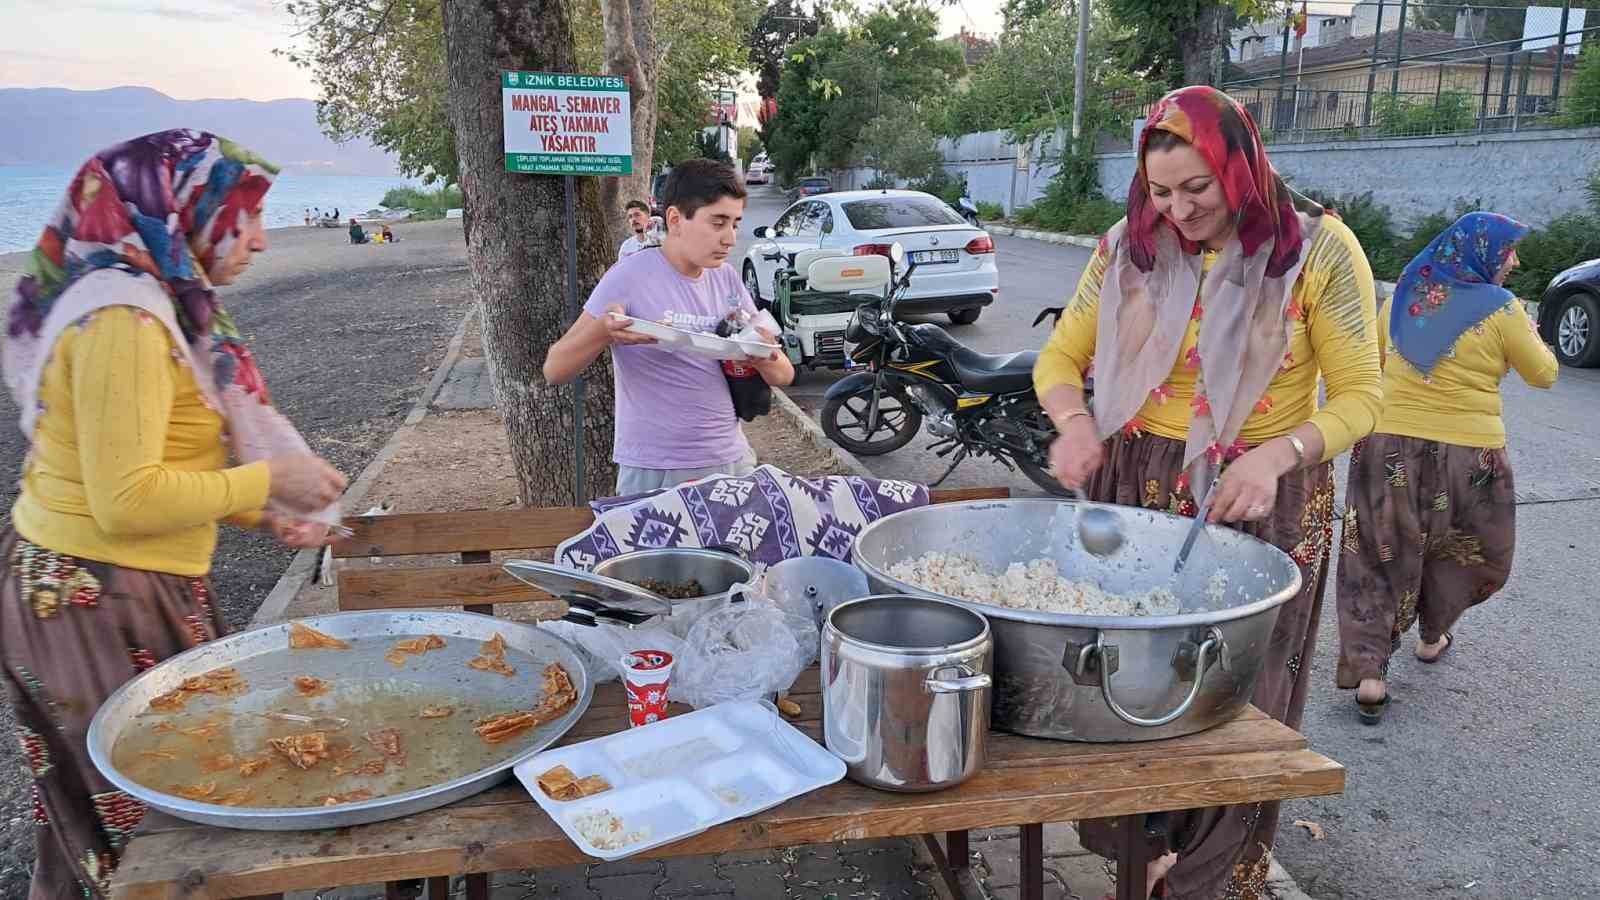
x=257, y=431
x=744, y=651
x=602, y=646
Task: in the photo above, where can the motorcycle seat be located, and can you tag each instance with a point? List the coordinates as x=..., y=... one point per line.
x=994, y=373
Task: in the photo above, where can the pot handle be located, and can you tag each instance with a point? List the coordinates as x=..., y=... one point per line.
x=1203, y=657
x=969, y=681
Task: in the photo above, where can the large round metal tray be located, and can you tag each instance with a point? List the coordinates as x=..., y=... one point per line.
x=262, y=657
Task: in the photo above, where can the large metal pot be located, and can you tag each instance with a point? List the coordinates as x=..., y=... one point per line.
x=717, y=571
x=905, y=691
x=1104, y=678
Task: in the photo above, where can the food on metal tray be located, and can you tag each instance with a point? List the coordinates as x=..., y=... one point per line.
x=163, y=727
x=224, y=682
x=491, y=664
x=235, y=797
x=304, y=750
x=308, y=686
x=672, y=590
x=205, y=731
x=412, y=647
x=1035, y=585
x=347, y=797
x=200, y=791
x=159, y=755
x=558, y=694
x=304, y=637
x=254, y=764
x=604, y=831
x=436, y=712
x=492, y=657
x=217, y=762
x=370, y=767
x=560, y=784
x=504, y=726
x=387, y=742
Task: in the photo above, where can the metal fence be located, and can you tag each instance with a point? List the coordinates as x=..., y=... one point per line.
x=1478, y=69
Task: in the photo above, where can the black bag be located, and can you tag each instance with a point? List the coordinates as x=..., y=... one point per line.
x=752, y=396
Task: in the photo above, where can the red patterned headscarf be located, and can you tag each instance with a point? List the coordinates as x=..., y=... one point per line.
x=1264, y=208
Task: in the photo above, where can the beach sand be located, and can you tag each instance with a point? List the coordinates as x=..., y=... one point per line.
x=347, y=337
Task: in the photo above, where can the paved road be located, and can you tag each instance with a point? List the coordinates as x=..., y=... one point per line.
x=1478, y=784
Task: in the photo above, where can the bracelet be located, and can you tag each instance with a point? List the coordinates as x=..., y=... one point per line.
x=1060, y=420
x=1299, y=450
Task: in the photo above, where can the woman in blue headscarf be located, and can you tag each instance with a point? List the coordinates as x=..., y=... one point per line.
x=1430, y=520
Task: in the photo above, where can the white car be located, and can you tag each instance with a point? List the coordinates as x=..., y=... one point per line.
x=756, y=174
x=956, y=272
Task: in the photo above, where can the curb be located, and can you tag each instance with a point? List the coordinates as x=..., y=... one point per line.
x=820, y=439
x=303, y=567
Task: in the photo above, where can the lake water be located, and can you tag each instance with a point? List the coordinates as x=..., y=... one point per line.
x=29, y=197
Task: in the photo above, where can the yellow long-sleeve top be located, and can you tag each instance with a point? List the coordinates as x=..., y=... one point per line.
x=1335, y=335
x=127, y=465
x=1459, y=401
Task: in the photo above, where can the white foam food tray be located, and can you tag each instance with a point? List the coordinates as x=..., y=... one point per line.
x=682, y=340
x=677, y=777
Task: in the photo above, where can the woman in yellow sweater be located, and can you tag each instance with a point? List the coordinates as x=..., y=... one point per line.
x=133, y=387
x=1209, y=314
x=1430, y=522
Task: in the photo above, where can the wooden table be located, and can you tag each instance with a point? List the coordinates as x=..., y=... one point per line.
x=1026, y=782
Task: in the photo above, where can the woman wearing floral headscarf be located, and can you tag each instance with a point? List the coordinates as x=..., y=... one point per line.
x=1208, y=314
x=1431, y=515
x=133, y=387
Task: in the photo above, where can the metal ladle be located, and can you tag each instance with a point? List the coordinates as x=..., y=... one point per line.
x=1099, y=529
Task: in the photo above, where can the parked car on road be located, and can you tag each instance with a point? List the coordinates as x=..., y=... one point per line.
x=657, y=185
x=756, y=174
x=809, y=187
x=1569, y=315
x=956, y=272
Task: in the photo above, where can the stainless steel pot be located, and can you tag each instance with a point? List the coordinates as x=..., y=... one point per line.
x=1105, y=678
x=905, y=691
x=717, y=571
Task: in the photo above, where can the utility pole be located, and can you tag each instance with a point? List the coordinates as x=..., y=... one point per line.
x=1080, y=74
x=1283, y=68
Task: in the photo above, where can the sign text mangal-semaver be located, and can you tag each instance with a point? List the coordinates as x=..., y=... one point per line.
x=561, y=124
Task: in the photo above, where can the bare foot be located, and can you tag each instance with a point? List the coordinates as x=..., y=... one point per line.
x=1429, y=652
x=1372, y=690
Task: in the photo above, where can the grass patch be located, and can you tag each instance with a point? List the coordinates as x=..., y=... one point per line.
x=424, y=205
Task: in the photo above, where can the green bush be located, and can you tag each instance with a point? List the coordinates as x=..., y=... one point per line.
x=424, y=204
x=941, y=184
x=990, y=212
x=1547, y=251
x=1373, y=226
x=1583, y=106
x=1591, y=189
x=1025, y=215
x=1449, y=112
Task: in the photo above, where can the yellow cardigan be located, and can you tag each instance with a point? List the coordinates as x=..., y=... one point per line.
x=1459, y=401
x=127, y=465
x=1335, y=336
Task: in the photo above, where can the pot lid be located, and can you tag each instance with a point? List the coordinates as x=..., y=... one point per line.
x=560, y=581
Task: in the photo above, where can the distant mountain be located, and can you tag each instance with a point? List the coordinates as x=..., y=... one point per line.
x=58, y=127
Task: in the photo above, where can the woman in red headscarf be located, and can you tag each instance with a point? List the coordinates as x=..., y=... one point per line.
x=1208, y=314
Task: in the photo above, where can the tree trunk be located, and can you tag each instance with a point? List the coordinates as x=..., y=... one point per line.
x=630, y=44
x=1200, y=43
x=516, y=230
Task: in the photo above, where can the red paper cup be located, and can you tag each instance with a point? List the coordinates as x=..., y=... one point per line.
x=645, y=674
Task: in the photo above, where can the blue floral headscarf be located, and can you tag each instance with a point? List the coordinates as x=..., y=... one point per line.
x=1450, y=286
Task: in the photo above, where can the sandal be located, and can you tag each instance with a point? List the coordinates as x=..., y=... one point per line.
x=1372, y=713
x=1449, y=641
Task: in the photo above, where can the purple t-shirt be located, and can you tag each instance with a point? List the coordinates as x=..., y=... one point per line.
x=673, y=409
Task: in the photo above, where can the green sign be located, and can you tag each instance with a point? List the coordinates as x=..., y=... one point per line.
x=564, y=124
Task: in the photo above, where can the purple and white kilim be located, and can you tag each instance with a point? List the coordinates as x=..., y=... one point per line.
x=768, y=515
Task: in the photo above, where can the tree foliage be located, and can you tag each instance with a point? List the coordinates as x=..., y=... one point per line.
x=781, y=24
x=900, y=146
x=1178, y=42
x=844, y=77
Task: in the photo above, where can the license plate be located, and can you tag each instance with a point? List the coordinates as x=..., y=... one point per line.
x=925, y=257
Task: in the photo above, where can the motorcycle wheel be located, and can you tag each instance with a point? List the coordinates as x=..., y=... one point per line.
x=844, y=420
x=1042, y=478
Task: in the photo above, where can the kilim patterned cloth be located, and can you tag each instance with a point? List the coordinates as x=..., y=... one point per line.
x=767, y=516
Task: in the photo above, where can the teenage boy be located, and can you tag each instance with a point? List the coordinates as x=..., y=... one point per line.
x=675, y=420
x=639, y=221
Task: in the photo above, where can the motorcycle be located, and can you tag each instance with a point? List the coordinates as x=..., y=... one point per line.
x=916, y=376
x=968, y=210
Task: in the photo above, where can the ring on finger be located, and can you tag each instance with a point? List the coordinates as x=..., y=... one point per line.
x=1256, y=511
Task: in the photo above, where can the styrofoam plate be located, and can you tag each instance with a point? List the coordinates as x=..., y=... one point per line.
x=682, y=340
x=675, y=778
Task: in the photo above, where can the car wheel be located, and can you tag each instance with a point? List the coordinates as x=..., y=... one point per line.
x=1576, y=341
x=752, y=282
x=965, y=316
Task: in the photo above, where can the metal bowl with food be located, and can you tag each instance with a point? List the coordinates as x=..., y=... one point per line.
x=338, y=720
x=693, y=580
x=1091, y=649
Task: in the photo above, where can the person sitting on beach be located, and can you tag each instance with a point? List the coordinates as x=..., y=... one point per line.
x=675, y=418
x=358, y=235
x=388, y=236
x=308, y=217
